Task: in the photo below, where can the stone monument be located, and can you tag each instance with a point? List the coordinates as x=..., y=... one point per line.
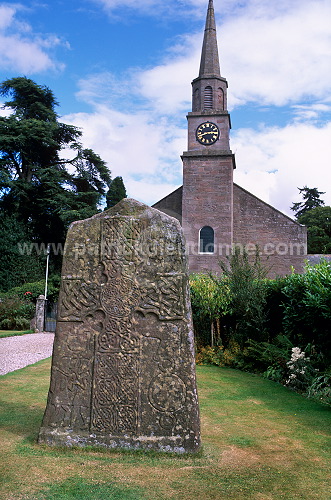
x=123, y=370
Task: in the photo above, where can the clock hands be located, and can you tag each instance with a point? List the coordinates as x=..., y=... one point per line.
x=205, y=133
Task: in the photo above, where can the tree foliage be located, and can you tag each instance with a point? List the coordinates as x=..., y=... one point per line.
x=318, y=222
x=32, y=162
x=116, y=192
x=47, y=178
x=248, y=295
x=312, y=213
x=210, y=299
x=16, y=268
x=311, y=199
x=278, y=327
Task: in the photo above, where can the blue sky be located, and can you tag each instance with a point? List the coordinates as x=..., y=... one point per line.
x=122, y=71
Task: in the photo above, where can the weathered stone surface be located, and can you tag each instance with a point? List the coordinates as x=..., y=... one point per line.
x=123, y=372
x=40, y=314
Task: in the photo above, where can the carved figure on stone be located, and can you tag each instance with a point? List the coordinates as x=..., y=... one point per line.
x=123, y=371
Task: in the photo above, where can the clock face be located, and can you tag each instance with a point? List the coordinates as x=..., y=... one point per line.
x=207, y=133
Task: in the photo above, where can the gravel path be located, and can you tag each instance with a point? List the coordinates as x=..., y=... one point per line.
x=19, y=351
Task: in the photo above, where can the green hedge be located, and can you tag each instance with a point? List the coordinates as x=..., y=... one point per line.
x=279, y=327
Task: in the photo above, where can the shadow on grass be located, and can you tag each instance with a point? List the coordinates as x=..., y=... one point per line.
x=21, y=419
x=80, y=489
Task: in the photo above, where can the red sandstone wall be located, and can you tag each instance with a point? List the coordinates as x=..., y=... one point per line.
x=171, y=204
x=281, y=241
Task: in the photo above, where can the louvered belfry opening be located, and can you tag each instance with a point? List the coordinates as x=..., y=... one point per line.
x=208, y=98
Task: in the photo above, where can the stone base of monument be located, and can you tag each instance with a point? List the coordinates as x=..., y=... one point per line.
x=172, y=444
x=123, y=370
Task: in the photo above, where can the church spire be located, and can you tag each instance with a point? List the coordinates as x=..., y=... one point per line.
x=209, y=64
x=209, y=88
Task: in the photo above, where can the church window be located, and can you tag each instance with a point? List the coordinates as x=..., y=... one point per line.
x=207, y=240
x=208, y=97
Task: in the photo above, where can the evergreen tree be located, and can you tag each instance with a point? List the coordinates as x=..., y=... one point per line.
x=37, y=187
x=311, y=197
x=116, y=192
x=318, y=222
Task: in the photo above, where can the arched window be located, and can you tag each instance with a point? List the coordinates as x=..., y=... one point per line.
x=206, y=240
x=208, y=98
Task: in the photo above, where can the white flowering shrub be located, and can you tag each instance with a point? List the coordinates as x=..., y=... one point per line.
x=300, y=370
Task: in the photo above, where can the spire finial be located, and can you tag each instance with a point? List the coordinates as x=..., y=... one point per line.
x=209, y=57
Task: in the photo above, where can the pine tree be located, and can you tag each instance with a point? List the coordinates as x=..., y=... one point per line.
x=311, y=197
x=116, y=192
x=35, y=182
x=40, y=187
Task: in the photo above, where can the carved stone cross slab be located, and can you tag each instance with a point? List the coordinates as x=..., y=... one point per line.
x=123, y=371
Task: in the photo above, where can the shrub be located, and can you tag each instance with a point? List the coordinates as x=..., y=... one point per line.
x=279, y=328
x=301, y=372
x=232, y=355
x=270, y=358
x=209, y=356
x=18, y=323
x=307, y=310
x=217, y=355
x=16, y=313
x=320, y=388
x=37, y=288
x=210, y=297
x=247, y=296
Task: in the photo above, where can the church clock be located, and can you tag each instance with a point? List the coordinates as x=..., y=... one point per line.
x=207, y=133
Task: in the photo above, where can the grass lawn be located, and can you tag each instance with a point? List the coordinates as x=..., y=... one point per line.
x=260, y=441
x=10, y=333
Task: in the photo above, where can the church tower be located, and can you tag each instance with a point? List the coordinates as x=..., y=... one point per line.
x=208, y=163
x=215, y=213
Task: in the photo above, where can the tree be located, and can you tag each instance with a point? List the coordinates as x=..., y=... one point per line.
x=318, y=222
x=311, y=198
x=210, y=298
x=36, y=185
x=116, y=192
x=16, y=266
x=248, y=295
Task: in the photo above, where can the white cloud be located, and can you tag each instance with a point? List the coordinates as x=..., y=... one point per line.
x=271, y=53
x=145, y=152
x=273, y=162
x=22, y=50
x=165, y=87
x=311, y=112
x=6, y=17
x=192, y=8
x=276, y=60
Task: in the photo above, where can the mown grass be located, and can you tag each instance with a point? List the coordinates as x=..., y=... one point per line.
x=260, y=441
x=11, y=333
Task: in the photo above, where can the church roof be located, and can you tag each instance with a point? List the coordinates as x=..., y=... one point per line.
x=209, y=64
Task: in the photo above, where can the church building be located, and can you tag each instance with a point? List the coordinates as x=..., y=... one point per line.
x=216, y=214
